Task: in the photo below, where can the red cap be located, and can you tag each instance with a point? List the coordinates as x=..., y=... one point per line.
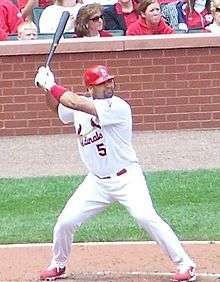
x=96, y=75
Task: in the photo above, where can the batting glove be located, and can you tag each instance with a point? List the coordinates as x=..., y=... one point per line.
x=44, y=78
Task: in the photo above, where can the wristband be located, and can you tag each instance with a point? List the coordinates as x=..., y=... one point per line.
x=57, y=91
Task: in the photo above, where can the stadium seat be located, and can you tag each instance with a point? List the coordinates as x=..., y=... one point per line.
x=116, y=32
x=37, y=11
x=12, y=37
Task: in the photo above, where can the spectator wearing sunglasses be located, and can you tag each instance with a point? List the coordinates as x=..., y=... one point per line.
x=10, y=18
x=215, y=26
x=120, y=15
x=89, y=21
x=51, y=15
x=150, y=20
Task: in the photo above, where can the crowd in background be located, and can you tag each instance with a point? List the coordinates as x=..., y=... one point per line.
x=103, y=18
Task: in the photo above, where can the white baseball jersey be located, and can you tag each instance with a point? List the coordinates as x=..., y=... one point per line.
x=104, y=142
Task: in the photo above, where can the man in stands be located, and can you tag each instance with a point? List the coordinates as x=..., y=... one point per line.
x=120, y=15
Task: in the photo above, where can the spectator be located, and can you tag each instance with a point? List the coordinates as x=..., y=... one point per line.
x=27, y=31
x=89, y=21
x=51, y=15
x=120, y=15
x=215, y=26
x=150, y=20
x=169, y=12
x=10, y=18
x=26, y=6
x=194, y=14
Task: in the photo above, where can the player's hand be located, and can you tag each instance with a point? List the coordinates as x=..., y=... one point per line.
x=44, y=78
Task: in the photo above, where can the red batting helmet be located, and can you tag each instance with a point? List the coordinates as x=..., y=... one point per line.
x=96, y=75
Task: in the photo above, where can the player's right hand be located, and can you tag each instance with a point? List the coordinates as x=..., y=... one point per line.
x=44, y=78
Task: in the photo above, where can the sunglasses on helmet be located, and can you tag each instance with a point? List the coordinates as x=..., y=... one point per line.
x=96, y=19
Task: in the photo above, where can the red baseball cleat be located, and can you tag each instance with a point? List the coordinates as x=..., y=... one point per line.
x=53, y=274
x=185, y=274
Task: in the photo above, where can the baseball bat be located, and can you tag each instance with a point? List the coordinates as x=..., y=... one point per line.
x=57, y=35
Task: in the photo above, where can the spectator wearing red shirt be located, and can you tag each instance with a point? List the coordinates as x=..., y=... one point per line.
x=150, y=20
x=26, y=6
x=120, y=15
x=10, y=18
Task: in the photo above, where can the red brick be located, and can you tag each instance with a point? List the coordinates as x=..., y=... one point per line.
x=211, y=124
x=154, y=118
x=210, y=108
x=199, y=116
x=142, y=110
x=138, y=119
x=177, y=117
x=199, y=100
x=154, y=101
x=187, y=60
x=187, y=108
x=189, y=125
x=216, y=115
x=164, y=77
x=38, y=123
x=165, y=93
x=165, y=109
x=15, y=123
x=216, y=99
x=166, y=126
x=175, y=69
x=177, y=100
x=198, y=68
x=199, y=84
x=142, y=127
x=177, y=84
x=14, y=107
x=13, y=75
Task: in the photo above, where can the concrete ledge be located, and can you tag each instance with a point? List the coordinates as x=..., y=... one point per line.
x=106, y=44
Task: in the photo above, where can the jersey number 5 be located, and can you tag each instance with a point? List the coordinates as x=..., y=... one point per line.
x=101, y=149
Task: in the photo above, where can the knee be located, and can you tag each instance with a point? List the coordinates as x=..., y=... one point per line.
x=65, y=226
x=146, y=219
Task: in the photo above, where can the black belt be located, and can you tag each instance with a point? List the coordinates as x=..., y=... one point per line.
x=120, y=172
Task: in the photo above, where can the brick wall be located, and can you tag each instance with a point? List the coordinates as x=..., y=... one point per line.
x=171, y=83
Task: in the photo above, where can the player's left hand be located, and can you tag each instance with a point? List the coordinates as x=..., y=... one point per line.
x=44, y=78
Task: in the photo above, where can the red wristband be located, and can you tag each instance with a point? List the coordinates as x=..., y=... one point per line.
x=57, y=91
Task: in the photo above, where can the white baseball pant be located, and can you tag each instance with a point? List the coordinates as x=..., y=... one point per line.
x=94, y=194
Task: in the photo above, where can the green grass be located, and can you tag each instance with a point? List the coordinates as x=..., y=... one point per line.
x=188, y=201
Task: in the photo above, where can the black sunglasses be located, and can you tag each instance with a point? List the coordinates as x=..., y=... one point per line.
x=96, y=19
x=217, y=10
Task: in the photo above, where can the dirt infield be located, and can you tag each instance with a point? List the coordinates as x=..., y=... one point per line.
x=108, y=262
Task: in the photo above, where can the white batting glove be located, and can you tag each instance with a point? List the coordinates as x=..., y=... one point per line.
x=44, y=78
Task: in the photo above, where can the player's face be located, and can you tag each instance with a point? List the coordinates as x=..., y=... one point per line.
x=104, y=90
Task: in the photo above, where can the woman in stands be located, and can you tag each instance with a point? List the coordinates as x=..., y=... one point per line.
x=51, y=15
x=89, y=21
x=10, y=18
x=120, y=15
x=150, y=20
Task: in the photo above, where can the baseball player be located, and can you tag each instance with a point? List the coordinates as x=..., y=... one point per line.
x=103, y=123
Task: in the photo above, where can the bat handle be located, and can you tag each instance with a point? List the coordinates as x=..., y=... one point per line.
x=50, y=55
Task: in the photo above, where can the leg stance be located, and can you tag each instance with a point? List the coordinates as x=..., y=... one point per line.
x=86, y=202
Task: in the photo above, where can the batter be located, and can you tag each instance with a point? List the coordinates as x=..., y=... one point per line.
x=103, y=124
